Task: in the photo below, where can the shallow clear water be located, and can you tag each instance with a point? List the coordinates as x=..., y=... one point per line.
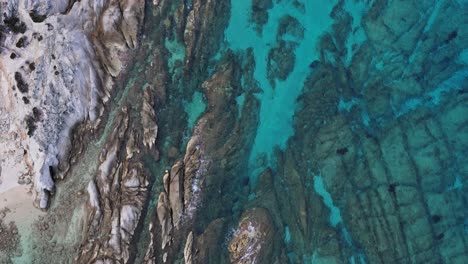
x=279, y=103
x=361, y=122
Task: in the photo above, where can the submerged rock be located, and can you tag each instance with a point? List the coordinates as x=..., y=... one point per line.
x=259, y=13
x=281, y=61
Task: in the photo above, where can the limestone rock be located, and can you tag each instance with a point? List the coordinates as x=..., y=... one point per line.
x=192, y=161
x=177, y=202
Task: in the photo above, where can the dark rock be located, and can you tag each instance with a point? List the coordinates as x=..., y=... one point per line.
x=314, y=64
x=31, y=125
x=341, y=151
x=259, y=13
x=36, y=17
x=22, y=42
x=451, y=37
x=37, y=113
x=281, y=61
x=209, y=244
x=22, y=85
x=37, y=36
x=15, y=25
x=291, y=26
x=440, y=236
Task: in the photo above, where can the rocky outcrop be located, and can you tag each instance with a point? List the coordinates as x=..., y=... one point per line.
x=148, y=119
x=374, y=170
x=203, y=30
x=116, y=199
x=58, y=63
x=181, y=190
x=192, y=183
x=251, y=242
x=164, y=217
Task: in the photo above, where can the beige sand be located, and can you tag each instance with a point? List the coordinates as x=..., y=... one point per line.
x=22, y=211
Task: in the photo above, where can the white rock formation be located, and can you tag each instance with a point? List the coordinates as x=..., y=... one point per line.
x=57, y=63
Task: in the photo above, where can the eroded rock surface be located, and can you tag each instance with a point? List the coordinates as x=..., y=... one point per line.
x=58, y=63
x=188, y=184
x=116, y=199
x=180, y=184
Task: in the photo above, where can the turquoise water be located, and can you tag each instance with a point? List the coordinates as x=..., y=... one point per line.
x=279, y=103
x=177, y=52
x=335, y=214
x=356, y=128
x=358, y=119
x=194, y=108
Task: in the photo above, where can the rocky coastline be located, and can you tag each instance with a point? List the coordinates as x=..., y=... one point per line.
x=209, y=131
